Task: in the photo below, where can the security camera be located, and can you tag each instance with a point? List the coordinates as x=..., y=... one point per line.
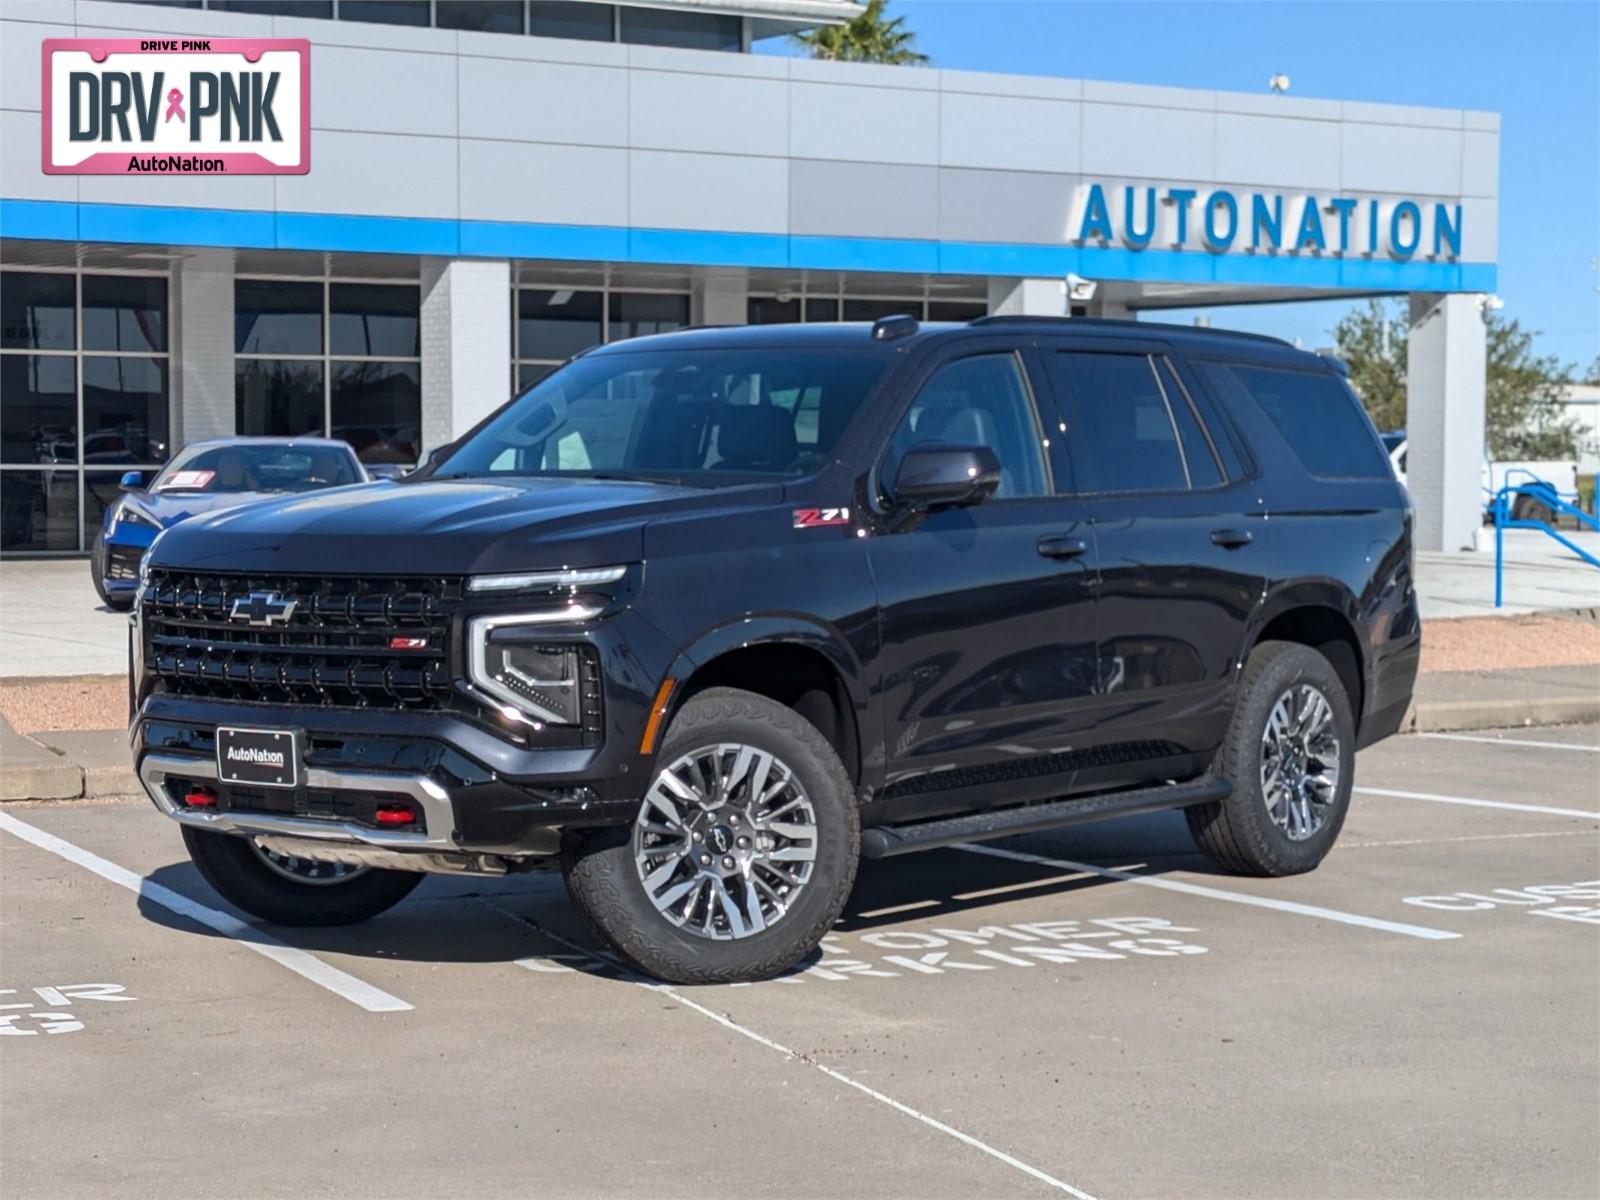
x=1081, y=289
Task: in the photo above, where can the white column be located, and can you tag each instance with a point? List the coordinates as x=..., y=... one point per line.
x=466, y=345
x=1445, y=380
x=201, y=311
x=720, y=300
x=1027, y=297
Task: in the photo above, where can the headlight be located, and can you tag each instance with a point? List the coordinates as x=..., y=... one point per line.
x=543, y=581
x=129, y=514
x=554, y=683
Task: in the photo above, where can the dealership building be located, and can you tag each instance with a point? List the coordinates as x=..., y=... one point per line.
x=495, y=185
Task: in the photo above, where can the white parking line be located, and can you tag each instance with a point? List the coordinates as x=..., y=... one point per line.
x=761, y=1039
x=1499, y=741
x=357, y=991
x=1211, y=893
x=1471, y=803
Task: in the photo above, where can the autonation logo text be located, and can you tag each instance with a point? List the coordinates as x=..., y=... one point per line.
x=169, y=106
x=255, y=756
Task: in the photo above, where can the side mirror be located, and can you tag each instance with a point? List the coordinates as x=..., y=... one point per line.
x=385, y=470
x=131, y=481
x=946, y=476
x=438, y=454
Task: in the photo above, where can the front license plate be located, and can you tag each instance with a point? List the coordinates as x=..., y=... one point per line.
x=263, y=757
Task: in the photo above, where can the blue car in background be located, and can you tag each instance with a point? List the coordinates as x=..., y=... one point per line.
x=203, y=477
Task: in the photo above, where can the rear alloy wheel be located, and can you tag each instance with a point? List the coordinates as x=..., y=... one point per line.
x=742, y=852
x=1290, y=754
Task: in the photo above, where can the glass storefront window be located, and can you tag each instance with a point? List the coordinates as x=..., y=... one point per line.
x=557, y=324
x=36, y=311
x=39, y=409
x=875, y=310
x=377, y=408
x=485, y=16
x=571, y=19
x=385, y=12
x=766, y=310
x=277, y=8
x=822, y=310
x=124, y=410
x=956, y=310
x=529, y=374
x=125, y=313
x=277, y=397
x=684, y=30
x=275, y=317
x=39, y=510
x=374, y=320
x=633, y=314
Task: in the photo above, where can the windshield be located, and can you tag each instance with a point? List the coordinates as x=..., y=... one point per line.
x=692, y=416
x=256, y=468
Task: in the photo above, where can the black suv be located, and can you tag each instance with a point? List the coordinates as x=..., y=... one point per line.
x=706, y=617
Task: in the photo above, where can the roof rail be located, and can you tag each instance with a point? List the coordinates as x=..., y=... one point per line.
x=1141, y=326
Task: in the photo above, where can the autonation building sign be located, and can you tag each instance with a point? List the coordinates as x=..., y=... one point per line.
x=1221, y=220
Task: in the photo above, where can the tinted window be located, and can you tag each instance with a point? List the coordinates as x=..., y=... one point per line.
x=1319, y=417
x=568, y=19
x=1120, y=433
x=385, y=12
x=978, y=401
x=637, y=313
x=1197, y=451
x=685, y=30
x=38, y=408
x=377, y=408
x=277, y=398
x=557, y=324
x=767, y=310
x=36, y=310
x=700, y=416
x=124, y=410
x=373, y=320
x=124, y=312
x=277, y=318
x=874, y=310
x=489, y=16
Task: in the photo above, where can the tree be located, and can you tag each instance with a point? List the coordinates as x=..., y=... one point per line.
x=1372, y=341
x=1523, y=415
x=869, y=38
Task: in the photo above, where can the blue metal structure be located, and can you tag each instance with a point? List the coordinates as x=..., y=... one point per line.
x=1503, y=520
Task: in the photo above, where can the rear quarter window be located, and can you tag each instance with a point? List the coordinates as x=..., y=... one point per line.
x=1317, y=413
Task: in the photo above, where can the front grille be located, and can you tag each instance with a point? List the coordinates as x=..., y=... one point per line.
x=372, y=642
x=122, y=562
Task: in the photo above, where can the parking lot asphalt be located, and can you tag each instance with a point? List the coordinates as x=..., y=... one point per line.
x=1091, y=1011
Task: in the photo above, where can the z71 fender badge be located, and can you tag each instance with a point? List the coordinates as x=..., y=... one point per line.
x=810, y=518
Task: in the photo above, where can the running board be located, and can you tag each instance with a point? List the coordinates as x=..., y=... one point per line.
x=887, y=842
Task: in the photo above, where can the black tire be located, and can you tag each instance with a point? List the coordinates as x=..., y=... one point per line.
x=231, y=865
x=1239, y=834
x=1530, y=508
x=604, y=880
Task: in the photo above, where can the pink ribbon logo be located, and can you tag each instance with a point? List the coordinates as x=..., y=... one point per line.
x=175, y=105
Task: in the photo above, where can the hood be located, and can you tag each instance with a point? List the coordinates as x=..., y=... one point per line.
x=445, y=527
x=168, y=508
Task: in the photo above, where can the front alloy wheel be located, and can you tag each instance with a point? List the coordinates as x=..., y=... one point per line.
x=725, y=840
x=742, y=852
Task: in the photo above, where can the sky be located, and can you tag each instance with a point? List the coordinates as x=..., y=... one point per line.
x=1536, y=64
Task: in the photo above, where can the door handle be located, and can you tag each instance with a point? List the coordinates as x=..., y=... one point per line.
x=1231, y=539
x=1062, y=547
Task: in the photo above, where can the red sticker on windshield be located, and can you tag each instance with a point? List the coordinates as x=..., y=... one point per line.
x=810, y=518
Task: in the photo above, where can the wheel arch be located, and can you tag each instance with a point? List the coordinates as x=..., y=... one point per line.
x=1324, y=617
x=803, y=666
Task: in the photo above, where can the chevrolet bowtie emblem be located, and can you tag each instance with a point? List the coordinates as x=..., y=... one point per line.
x=263, y=608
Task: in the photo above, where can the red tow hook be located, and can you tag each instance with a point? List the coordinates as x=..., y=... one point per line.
x=199, y=798
x=395, y=816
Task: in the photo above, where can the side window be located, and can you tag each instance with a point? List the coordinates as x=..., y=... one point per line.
x=1319, y=417
x=1197, y=449
x=978, y=401
x=1120, y=432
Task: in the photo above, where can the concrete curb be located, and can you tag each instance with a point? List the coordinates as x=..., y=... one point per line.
x=1454, y=716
